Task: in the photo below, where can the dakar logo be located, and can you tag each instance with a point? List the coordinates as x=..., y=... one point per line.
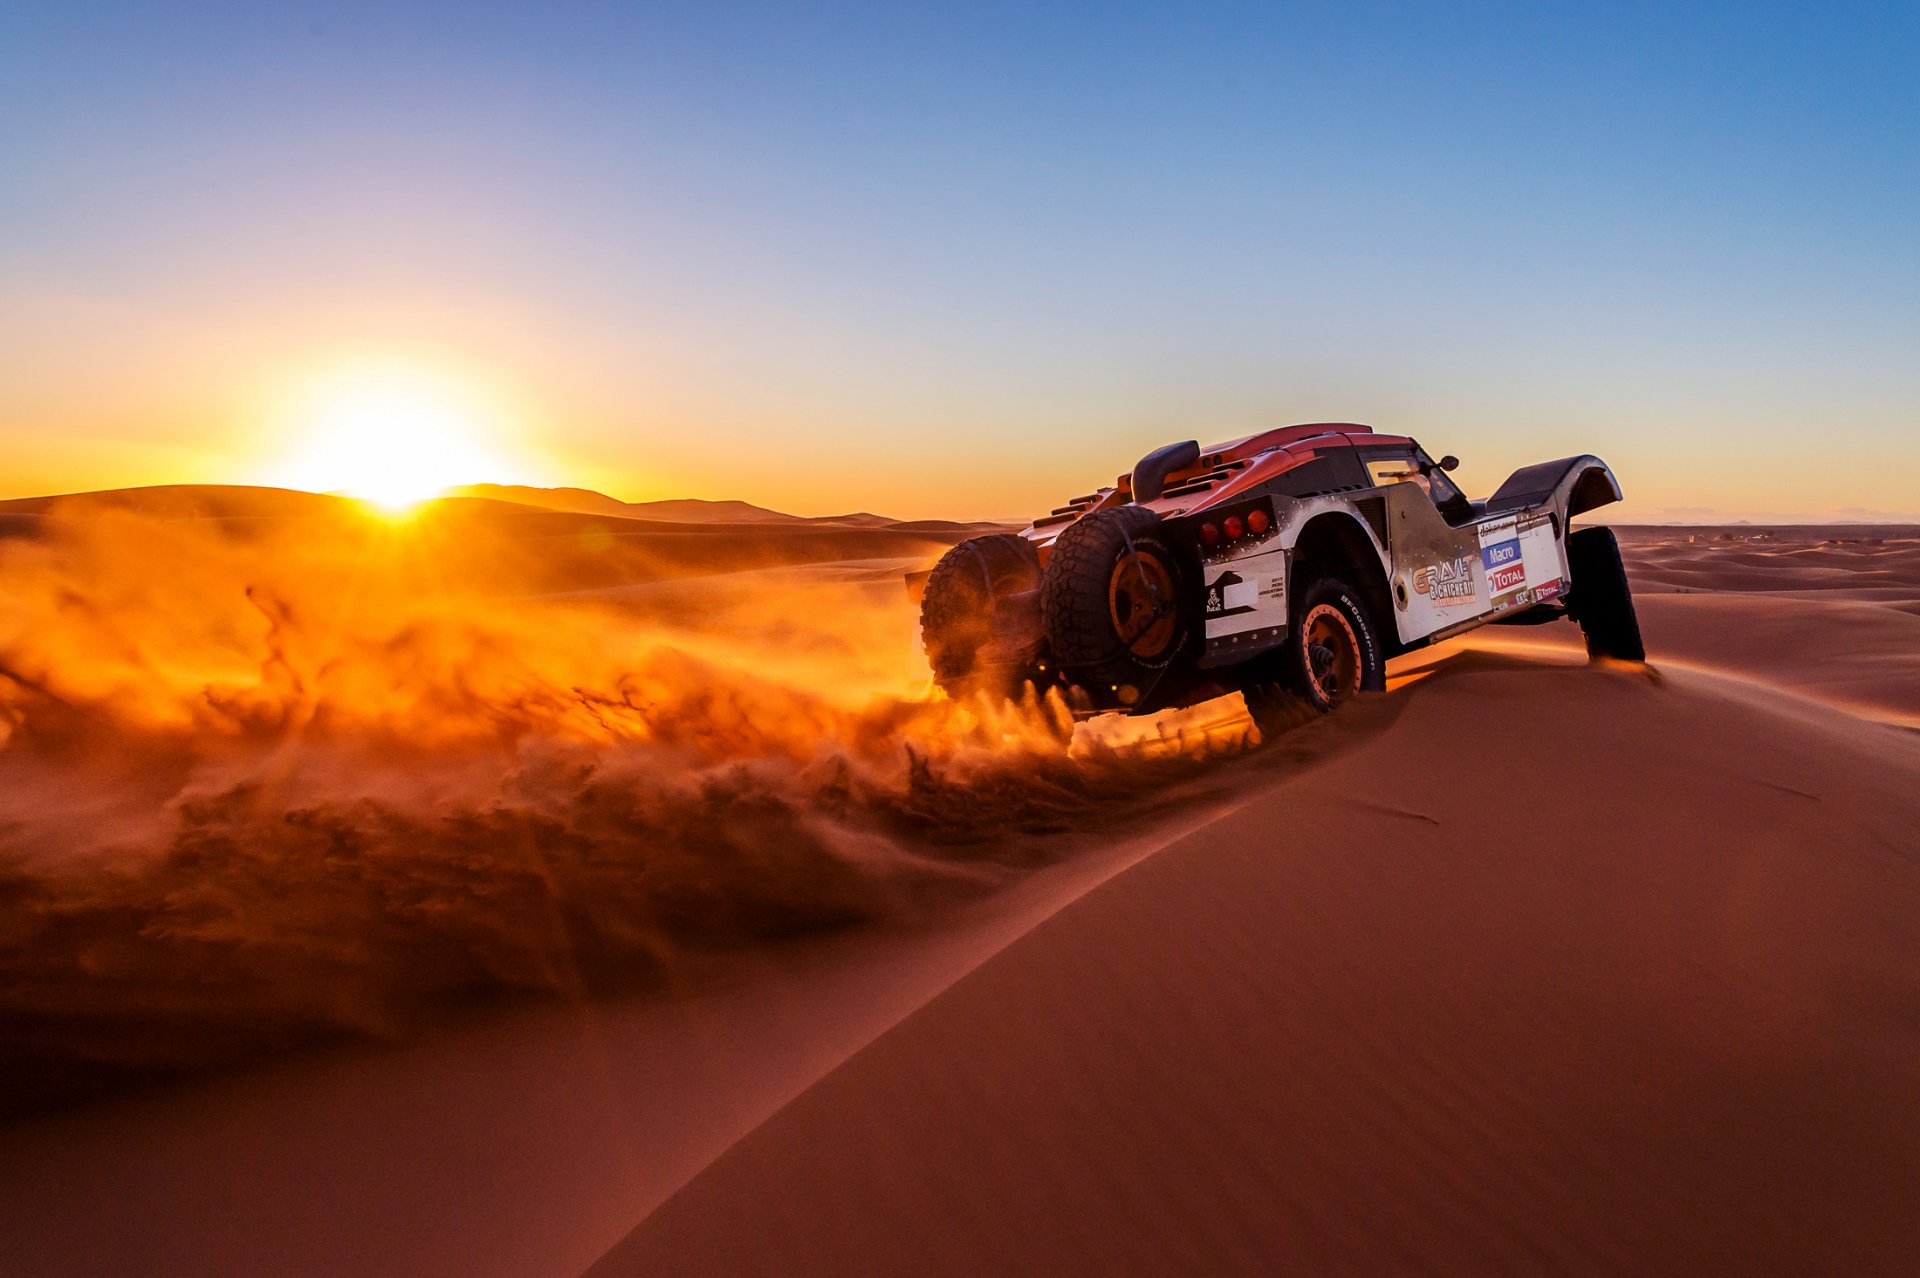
x=1220, y=593
x=1447, y=584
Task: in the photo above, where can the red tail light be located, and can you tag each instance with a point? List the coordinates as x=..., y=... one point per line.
x=1234, y=527
x=1257, y=522
x=1209, y=534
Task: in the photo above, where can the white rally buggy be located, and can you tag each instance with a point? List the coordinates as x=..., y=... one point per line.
x=1288, y=566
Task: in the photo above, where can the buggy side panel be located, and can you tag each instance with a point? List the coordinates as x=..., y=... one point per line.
x=1438, y=578
x=1448, y=579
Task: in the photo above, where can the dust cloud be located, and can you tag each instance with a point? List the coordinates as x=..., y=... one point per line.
x=274, y=782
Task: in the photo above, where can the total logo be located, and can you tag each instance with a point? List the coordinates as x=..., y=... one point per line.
x=1447, y=584
x=1511, y=577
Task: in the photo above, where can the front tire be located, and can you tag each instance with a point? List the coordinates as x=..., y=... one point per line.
x=1332, y=652
x=1600, y=599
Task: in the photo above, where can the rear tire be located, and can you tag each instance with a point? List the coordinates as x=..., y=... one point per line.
x=1600, y=599
x=1332, y=651
x=1118, y=599
x=966, y=588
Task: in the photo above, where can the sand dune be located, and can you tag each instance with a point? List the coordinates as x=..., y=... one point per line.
x=1868, y=561
x=1559, y=975
x=1526, y=967
x=1828, y=613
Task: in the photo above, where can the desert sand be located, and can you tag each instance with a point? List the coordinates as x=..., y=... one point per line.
x=769, y=962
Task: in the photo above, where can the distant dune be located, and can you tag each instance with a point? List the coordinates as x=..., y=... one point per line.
x=239, y=501
x=501, y=546
x=1526, y=966
x=188, y=501
x=677, y=510
x=582, y=501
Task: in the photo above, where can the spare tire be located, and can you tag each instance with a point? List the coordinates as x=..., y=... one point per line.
x=1119, y=603
x=976, y=612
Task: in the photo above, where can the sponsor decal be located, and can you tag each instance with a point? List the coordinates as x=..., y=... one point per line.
x=1519, y=554
x=1447, y=584
x=1540, y=551
x=1511, y=577
x=1245, y=610
x=1504, y=559
x=1231, y=593
x=1498, y=531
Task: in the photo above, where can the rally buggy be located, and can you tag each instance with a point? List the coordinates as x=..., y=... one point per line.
x=1288, y=566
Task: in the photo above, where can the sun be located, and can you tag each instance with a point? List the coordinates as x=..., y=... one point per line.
x=392, y=437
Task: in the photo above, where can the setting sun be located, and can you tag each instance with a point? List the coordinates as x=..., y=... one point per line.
x=392, y=437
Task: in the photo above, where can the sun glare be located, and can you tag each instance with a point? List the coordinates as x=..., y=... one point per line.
x=392, y=438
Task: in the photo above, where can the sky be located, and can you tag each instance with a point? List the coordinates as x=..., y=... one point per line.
x=960, y=261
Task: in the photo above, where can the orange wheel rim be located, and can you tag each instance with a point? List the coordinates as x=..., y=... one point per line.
x=1140, y=603
x=1332, y=654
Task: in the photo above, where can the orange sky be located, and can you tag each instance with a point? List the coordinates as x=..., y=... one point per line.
x=243, y=411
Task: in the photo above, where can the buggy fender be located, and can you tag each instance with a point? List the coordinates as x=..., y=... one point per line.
x=1362, y=527
x=1346, y=535
x=1245, y=583
x=1570, y=486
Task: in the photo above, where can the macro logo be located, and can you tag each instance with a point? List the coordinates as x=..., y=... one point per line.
x=1505, y=571
x=1447, y=584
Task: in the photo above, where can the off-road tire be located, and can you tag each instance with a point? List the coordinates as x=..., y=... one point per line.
x=956, y=611
x=1600, y=599
x=1332, y=651
x=1082, y=589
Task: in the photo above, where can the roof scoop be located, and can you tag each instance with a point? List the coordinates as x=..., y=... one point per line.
x=1150, y=472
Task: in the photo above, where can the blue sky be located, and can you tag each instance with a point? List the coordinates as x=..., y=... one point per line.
x=962, y=261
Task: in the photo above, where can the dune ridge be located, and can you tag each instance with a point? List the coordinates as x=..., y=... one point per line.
x=672, y=510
